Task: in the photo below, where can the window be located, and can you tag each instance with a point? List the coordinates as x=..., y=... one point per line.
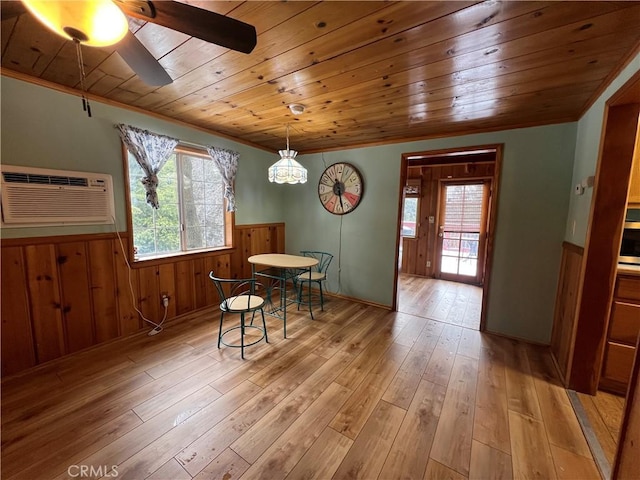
x=409, y=216
x=191, y=216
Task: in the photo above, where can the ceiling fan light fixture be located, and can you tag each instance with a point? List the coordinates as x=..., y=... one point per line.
x=96, y=23
x=287, y=169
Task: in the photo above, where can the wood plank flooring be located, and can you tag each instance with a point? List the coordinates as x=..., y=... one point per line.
x=604, y=413
x=448, y=302
x=357, y=393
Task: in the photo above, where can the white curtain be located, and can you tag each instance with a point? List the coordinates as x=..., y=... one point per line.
x=227, y=163
x=151, y=151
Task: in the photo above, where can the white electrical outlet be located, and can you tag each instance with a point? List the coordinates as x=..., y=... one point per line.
x=428, y=263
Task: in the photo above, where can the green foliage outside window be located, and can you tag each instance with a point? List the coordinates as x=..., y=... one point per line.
x=409, y=216
x=192, y=223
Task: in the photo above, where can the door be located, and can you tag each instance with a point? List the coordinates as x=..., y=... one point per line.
x=462, y=230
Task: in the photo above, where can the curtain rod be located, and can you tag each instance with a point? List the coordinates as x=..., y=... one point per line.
x=191, y=144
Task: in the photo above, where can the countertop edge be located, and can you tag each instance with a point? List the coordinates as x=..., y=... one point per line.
x=624, y=269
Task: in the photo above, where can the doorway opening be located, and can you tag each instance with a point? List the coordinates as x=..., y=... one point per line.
x=447, y=217
x=600, y=360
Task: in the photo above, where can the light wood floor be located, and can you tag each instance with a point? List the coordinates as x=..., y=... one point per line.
x=604, y=412
x=358, y=393
x=448, y=302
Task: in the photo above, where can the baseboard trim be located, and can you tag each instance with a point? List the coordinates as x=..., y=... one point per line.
x=358, y=300
x=520, y=339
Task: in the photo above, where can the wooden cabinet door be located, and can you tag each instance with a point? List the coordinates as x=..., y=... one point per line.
x=625, y=323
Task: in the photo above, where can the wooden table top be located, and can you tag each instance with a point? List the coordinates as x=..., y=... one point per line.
x=283, y=260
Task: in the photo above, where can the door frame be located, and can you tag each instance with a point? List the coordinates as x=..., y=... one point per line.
x=498, y=148
x=618, y=142
x=482, y=243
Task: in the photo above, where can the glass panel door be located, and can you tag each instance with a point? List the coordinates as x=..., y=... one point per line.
x=462, y=230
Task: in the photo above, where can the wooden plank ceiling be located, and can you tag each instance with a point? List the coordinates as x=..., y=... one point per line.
x=367, y=72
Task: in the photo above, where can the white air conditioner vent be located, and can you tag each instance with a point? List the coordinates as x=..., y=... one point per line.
x=17, y=177
x=39, y=197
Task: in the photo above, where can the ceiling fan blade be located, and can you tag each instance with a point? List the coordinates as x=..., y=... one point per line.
x=142, y=62
x=195, y=22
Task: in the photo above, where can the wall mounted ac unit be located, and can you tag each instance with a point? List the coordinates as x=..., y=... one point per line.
x=33, y=197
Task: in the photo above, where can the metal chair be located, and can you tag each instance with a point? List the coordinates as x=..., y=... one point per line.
x=238, y=296
x=318, y=275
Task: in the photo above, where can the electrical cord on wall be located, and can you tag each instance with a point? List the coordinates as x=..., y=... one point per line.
x=340, y=255
x=324, y=162
x=165, y=300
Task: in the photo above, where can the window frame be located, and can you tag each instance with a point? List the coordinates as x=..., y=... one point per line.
x=415, y=230
x=229, y=218
x=414, y=187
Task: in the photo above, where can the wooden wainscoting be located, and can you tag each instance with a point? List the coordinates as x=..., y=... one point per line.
x=66, y=293
x=563, y=334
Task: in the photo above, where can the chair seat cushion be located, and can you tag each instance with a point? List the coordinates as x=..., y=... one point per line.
x=242, y=302
x=315, y=276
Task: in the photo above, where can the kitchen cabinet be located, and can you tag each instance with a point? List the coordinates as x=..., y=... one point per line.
x=622, y=336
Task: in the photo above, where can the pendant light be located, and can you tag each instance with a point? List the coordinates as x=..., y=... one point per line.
x=287, y=169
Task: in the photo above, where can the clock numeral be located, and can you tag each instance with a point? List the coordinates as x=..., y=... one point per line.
x=351, y=198
x=324, y=198
x=330, y=173
x=354, y=189
x=326, y=180
x=324, y=188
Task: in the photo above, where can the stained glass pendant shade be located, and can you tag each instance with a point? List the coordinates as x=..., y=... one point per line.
x=287, y=169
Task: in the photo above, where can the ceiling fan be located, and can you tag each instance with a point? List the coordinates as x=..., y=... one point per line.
x=75, y=20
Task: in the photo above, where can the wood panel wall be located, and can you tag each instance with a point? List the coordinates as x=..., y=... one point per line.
x=67, y=293
x=564, y=317
x=417, y=251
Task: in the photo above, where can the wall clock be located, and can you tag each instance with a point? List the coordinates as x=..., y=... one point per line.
x=340, y=188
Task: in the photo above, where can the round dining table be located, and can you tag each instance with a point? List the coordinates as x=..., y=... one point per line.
x=282, y=267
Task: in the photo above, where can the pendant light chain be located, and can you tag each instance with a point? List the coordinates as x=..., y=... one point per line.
x=287, y=136
x=85, y=101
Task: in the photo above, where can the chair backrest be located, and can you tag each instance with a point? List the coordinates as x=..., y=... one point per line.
x=233, y=287
x=324, y=259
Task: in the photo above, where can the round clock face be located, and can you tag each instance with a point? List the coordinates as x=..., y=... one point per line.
x=340, y=188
